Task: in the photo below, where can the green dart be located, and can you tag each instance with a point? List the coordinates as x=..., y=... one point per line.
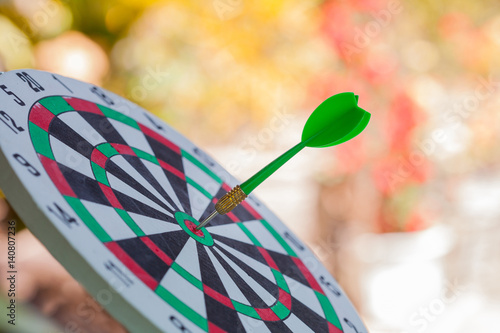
x=336, y=120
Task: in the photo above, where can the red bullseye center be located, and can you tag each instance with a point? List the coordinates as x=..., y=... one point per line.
x=192, y=227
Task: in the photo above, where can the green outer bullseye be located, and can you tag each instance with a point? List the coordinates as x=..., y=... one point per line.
x=207, y=239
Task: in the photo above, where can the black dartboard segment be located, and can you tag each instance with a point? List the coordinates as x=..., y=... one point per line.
x=127, y=195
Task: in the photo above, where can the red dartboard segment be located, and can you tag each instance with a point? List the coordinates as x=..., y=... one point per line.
x=226, y=187
x=132, y=265
x=307, y=274
x=333, y=329
x=56, y=176
x=212, y=328
x=267, y=314
x=123, y=149
x=218, y=296
x=285, y=298
x=41, y=117
x=99, y=158
x=252, y=211
x=152, y=134
x=80, y=104
x=162, y=255
x=233, y=217
x=268, y=258
x=171, y=169
x=110, y=195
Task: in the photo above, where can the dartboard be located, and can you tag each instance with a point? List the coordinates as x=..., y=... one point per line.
x=115, y=194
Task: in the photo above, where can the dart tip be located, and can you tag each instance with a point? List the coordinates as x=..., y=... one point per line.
x=208, y=219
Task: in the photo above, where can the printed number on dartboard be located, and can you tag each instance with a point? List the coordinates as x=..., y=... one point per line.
x=31, y=169
x=32, y=83
x=14, y=96
x=62, y=215
x=100, y=93
x=115, y=269
x=153, y=122
x=330, y=286
x=10, y=123
x=179, y=324
x=351, y=325
x=294, y=241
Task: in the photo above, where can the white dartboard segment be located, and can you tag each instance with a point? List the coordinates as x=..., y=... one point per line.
x=115, y=193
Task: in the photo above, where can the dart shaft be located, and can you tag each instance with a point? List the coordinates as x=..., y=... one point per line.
x=208, y=219
x=234, y=197
x=269, y=169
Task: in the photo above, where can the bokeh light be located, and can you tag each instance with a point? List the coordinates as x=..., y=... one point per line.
x=73, y=54
x=405, y=216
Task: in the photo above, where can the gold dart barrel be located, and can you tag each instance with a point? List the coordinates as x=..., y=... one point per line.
x=230, y=200
x=227, y=203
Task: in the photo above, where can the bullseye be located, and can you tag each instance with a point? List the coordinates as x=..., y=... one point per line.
x=189, y=224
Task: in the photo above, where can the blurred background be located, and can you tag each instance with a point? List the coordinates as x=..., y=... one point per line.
x=405, y=216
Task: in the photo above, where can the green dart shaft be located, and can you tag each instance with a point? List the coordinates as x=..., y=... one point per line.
x=336, y=120
x=234, y=197
x=269, y=169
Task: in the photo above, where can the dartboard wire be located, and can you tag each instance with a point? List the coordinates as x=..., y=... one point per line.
x=217, y=299
x=203, y=184
x=39, y=121
x=305, y=294
x=279, y=309
x=183, y=308
x=157, y=177
x=75, y=120
x=330, y=314
x=228, y=286
x=159, y=289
